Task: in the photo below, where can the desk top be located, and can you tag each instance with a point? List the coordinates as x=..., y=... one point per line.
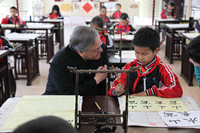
x=53, y=20
x=21, y=36
x=3, y=53
x=89, y=106
x=127, y=56
x=190, y=36
x=178, y=26
x=163, y=20
x=31, y=26
x=117, y=37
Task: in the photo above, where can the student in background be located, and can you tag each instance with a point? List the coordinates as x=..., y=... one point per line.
x=97, y=23
x=124, y=24
x=194, y=53
x=117, y=13
x=55, y=14
x=14, y=18
x=103, y=12
x=146, y=80
x=46, y=124
x=167, y=13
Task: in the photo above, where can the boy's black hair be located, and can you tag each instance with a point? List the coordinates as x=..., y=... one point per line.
x=98, y=21
x=46, y=124
x=13, y=7
x=172, y=3
x=56, y=7
x=118, y=4
x=124, y=16
x=194, y=49
x=147, y=37
x=102, y=7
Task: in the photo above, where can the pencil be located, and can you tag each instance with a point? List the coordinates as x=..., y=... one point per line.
x=116, y=75
x=98, y=106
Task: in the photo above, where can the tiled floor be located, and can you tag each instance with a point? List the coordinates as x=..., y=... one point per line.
x=39, y=84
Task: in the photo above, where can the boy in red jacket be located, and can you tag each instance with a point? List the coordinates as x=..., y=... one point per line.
x=13, y=19
x=103, y=12
x=117, y=13
x=147, y=79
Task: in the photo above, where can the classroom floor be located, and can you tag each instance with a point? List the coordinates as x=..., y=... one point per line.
x=39, y=84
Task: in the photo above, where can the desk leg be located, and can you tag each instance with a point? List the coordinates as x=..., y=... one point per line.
x=28, y=65
x=168, y=47
x=47, y=45
x=6, y=81
x=37, y=57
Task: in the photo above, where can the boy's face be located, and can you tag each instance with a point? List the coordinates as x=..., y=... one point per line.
x=118, y=8
x=123, y=22
x=103, y=11
x=13, y=12
x=95, y=26
x=144, y=54
x=170, y=7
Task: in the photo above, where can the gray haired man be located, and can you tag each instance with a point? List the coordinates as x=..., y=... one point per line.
x=85, y=51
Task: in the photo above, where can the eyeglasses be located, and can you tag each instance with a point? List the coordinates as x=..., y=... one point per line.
x=96, y=50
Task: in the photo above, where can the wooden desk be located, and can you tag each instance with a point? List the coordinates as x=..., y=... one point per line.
x=59, y=23
x=4, y=77
x=123, y=42
x=187, y=68
x=159, y=22
x=89, y=106
x=31, y=54
x=173, y=48
x=37, y=27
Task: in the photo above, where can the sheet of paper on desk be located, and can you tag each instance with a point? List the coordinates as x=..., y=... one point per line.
x=181, y=119
x=30, y=107
x=154, y=104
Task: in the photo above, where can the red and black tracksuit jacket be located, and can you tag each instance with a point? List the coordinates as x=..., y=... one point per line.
x=11, y=20
x=150, y=80
x=126, y=28
x=116, y=14
x=105, y=18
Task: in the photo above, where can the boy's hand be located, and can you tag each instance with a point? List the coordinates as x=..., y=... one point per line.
x=119, y=89
x=140, y=94
x=100, y=76
x=194, y=63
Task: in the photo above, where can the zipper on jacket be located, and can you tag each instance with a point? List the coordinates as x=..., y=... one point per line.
x=144, y=82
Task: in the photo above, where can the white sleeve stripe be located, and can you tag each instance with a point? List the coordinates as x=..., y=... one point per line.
x=172, y=78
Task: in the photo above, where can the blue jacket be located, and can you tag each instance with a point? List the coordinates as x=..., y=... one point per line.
x=197, y=73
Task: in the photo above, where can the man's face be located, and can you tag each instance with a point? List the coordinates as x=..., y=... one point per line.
x=144, y=54
x=13, y=12
x=103, y=11
x=94, y=53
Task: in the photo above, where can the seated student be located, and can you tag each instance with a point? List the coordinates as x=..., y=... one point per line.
x=85, y=51
x=55, y=14
x=97, y=23
x=167, y=13
x=103, y=11
x=4, y=42
x=46, y=124
x=194, y=53
x=123, y=24
x=117, y=13
x=146, y=80
x=13, y=19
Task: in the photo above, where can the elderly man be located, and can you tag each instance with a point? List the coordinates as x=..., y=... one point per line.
x=85, y=51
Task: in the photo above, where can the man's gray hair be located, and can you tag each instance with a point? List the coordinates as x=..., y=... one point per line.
x=83, y=38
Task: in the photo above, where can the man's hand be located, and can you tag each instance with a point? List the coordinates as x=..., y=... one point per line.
x=140, y=94
x=119, y=89
x=100, y=76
